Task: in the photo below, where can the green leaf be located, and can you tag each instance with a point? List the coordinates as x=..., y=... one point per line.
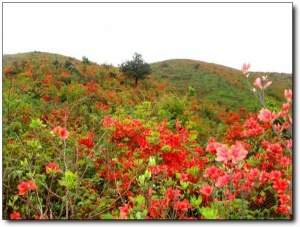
x=36, y=123
x=107, y=216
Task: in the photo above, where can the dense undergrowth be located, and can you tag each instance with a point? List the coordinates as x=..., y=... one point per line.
x=191, y=141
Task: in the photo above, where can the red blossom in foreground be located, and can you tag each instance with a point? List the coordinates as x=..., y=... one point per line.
x=52, y=168
x=26, y=186
x=61, y=132
x=206, y=190
x=15, y=216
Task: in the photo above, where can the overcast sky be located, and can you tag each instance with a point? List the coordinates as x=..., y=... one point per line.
x=224, y=33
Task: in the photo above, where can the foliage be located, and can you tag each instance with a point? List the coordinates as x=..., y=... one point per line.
x=137, y=68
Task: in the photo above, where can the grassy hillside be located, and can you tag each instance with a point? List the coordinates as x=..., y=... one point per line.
x=216, y=84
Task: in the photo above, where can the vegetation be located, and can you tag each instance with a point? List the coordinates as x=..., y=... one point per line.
x=136, y=68
x=193, y=141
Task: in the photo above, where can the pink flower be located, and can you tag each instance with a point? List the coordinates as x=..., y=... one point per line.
x=245, y=68
x=222, y=181
x=288, y=95
x=257, y=82
x=238, y=153
x=61, y=132
x=212, y=147
x=222, y=154
x=266, y=115
x=124, y=210
x=267, y=84
x=206, y=190
x=285, y=107
x=290, y=144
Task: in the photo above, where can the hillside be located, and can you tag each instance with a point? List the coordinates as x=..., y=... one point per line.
x=220, y=85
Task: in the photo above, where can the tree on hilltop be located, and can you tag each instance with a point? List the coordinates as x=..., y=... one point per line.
x=137, y=68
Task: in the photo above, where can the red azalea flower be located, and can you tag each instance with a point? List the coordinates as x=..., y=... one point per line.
x=22, y=188
x=181, y=205
x=15, y=216
x=52, y=168
x=61, y=132
x=206, y=190
x=280, y=185
x=173, y=194
x=26, y=186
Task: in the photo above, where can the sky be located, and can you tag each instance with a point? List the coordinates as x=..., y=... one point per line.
x=223, y=33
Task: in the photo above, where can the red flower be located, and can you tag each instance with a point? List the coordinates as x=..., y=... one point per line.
x=37, y=217
x=181, y=205
x=52, y=168
x=173, y=194
x=280, y=185
x=22, y=188
x=15, y=216
x=88, y=142
x=26, y=186
x=206, y=190
x=275, y=148
x=107, y=121
x=63, y=133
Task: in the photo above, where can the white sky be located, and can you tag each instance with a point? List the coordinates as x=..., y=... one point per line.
x=224, y=33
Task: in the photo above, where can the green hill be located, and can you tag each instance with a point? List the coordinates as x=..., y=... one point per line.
x=216, y=84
